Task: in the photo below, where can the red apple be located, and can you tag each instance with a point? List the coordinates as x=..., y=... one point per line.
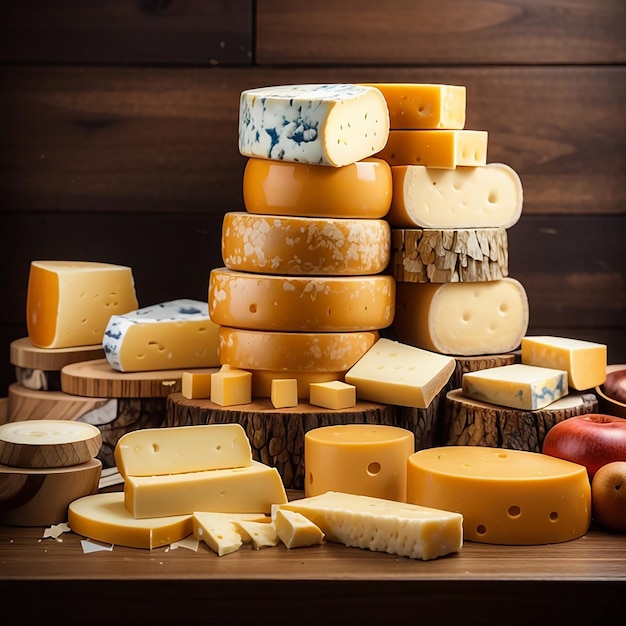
x=592, y=440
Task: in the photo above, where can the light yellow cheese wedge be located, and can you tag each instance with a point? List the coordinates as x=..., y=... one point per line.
x=295, y=530
x=219, y=530
x=260, y=534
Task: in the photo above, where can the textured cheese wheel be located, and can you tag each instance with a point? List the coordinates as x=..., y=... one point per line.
x=358, y=190
x=464, y=319
x=465, y=197
x=308, y=352
x=301, y=303
x=510, y=497
x=365, y=459
x=275, y=244
x=332, y=124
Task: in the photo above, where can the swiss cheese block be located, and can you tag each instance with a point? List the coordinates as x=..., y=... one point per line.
x=171, y=335
x=289, y=351
x=301, y=303
x=464, y=319
x=181, y=449
x=365, y=459
x=250, y=489
x=584, y=361
x=358, y=190
x=517, y=386
x=103, y=517
x=295, y=530
x=69, y=303
x=396, y=373
x=230, y=386
x=275, y=244
x=446, y=149
x=382, y=525
x=334, y=394
x=415, y=105
x=320, y=124
x=511, y=497
x=484, y=196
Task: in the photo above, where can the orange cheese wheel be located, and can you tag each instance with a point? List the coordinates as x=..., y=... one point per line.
x=361, y=189
x=276, y=244
x=309, y=352
x=300, y=303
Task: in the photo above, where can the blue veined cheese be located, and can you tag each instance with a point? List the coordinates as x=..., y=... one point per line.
x=334, y=124
x=172, y=335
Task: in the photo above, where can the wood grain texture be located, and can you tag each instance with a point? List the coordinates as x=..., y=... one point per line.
x=24, y=354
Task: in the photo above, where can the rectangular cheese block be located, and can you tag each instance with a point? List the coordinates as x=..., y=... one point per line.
x=250, y=489
x=295, y=530
x=584, y=361
x=334, y=394
x=446, y=149
x=230, y=386
x=197, y=383
x=172, y=335
x=284, y=392
x=517, y=386
x=69, y=303
x=181, y=449
x=382, y=525
x=392, y=372
x=334, y=124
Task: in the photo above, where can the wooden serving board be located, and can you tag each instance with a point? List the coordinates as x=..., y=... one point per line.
x=24, y=354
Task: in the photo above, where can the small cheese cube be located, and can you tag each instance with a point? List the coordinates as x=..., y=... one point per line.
x=231, y=386
x=284, y=392
x=295, y=530
x=334, y=394
x=197, y=384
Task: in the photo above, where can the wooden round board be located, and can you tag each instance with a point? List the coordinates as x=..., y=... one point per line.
x=24, y=354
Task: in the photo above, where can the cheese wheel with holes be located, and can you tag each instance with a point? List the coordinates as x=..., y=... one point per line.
x=301, y=303
x=275, y=244
x=509, y=497
x=358, y=190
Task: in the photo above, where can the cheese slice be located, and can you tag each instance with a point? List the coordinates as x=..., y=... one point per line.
x=69, y=303
x=320, y=124
x=382, y=525
x=171, y=335
x=584, y=361
x=181, y=449
x=300, y=303
x=219, y=530
x=103, y=517
x=463, y=319
x=511, y=497
x=392, y=372
x=357, y=190
x=483, y=196
x=517, y=386
x=415, y=105
x=446, y=149
x=275, y=244
x=250, y=489
x=295, y=530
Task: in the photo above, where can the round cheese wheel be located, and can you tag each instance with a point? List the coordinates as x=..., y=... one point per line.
x=300, y=303
x=361, y=189
x=275, y=244
x=309, y=352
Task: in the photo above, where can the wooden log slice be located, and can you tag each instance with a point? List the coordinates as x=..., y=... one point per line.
x=472, y=423
x=276, y=435
x=423, y=423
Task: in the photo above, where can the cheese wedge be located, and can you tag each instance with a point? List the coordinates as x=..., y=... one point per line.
x=295, y=530
x=260, y=534
x=219, y=530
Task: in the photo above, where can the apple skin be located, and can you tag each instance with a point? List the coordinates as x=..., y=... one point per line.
x=608, y=496
x=614, y=386
x=592, y=440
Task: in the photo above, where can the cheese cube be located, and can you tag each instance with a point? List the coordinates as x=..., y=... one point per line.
x=284, y=392
x=197, y=384
x=334, y=394
x=295, y=530
x=230, y=386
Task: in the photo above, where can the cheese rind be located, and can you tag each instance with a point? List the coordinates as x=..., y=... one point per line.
x=511, y=497
x=69, y=303
x=486, y=196
x=382, y=525
x=320, y=124
x=295, y=530
x=171, y=335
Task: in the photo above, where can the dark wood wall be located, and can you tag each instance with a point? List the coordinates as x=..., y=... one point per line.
x=118, y=131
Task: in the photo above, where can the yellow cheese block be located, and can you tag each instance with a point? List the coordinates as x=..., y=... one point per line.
x=392, y=372
x=584, y=361
x=414, y=105
x=301, y=303
x=231, y=386
x=383, y=525
x=463, y=319
x=69, y=303
x=263, y=380
x=103, y=517
x=483, y=196
x=197, y=383
x=289, y=351
x=250, y=489
x=334, y=394
x=276, y=244
x=517, y=386
x=182, y=449
x=295, y=530
x=511, y=497
x=284, y=392
x=365, y=459
x=446, y=149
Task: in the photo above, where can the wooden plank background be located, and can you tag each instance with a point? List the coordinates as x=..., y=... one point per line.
x=118, y=131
